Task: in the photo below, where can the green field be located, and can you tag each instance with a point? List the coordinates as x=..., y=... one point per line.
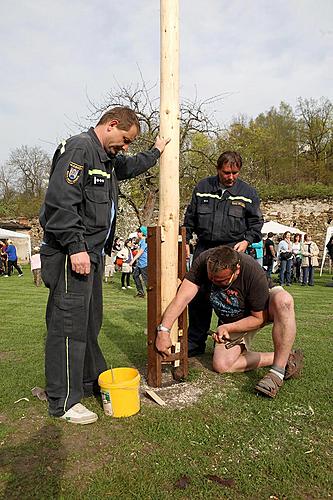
x=213, y=425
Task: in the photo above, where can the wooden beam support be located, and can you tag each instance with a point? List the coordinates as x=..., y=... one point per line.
x=154, y=375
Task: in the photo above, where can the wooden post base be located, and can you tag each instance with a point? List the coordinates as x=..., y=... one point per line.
x=179, y=352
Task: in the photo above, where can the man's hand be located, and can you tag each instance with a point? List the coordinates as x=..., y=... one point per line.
x=163, y=343
x=80, y=263
x=241, y=246
x=221, y=336
x=161, y=143
x=187, y=251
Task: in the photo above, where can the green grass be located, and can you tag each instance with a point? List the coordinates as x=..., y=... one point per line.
x=271, y=448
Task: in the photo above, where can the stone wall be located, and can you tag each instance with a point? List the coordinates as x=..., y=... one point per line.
x=309, y=215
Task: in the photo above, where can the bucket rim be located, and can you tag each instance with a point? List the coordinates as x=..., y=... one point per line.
x=133, y=381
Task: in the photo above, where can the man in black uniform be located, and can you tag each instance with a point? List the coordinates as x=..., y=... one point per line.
x=224, y=210
x=236, y=287
x=79, y=219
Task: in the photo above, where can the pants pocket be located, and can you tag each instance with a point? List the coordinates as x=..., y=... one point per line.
x=69, y=316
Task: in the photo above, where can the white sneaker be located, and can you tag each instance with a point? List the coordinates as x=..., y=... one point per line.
x=129, y=287
x=79, y=414
x=123, y=287
x=20, y=275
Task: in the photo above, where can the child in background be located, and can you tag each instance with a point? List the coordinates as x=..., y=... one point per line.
x=36, y=267
x=109, y=268
x=126, y=269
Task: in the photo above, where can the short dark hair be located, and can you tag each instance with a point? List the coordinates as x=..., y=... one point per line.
x=270, y=234
x=285, y=234
x=222, y=257
x=230, y=157
x=126, y=117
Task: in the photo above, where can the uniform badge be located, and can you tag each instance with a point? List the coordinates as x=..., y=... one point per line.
x=238, y=203
x=73, y=172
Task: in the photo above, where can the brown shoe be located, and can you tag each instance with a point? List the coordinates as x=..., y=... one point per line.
x=269, y=385
x=294, y=364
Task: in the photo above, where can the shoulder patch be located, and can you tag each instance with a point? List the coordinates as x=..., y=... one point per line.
x=73, y=172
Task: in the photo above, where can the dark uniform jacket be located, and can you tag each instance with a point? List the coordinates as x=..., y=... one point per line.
x=82, y=195
x=223, y=219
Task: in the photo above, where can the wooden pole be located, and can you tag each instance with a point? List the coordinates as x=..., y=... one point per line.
x=169, y=163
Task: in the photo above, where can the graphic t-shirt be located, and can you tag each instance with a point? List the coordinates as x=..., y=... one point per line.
x=249, y=292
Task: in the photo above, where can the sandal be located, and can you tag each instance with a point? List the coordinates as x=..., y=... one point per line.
x=294, y=364
x=269, y=385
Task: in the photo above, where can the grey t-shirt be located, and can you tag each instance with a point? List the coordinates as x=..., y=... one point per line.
x=249, y=292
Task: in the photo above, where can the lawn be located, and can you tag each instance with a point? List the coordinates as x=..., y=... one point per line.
x=222, y=439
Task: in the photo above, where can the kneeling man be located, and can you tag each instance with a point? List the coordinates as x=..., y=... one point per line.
x=237, y=288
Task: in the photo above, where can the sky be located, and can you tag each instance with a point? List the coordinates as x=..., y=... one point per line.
x=56, y=55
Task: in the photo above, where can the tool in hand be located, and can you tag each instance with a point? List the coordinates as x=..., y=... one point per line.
x=231, y=343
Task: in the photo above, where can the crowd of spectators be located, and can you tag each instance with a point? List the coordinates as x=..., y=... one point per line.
x=8, y=261
x=293, y=258
x=130, y=257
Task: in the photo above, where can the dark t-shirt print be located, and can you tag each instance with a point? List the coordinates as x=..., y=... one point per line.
x=225, y=303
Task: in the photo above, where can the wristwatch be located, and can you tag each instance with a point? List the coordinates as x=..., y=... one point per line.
x=162, y=328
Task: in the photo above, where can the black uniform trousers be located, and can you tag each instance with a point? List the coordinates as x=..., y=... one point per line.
x=199, y=309
x=73, y=358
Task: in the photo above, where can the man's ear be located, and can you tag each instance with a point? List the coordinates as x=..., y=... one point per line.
x=112, y=124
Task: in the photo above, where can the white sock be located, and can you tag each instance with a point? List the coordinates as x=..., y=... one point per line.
x=277, y=373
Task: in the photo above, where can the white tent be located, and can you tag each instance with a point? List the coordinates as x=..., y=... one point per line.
x=20, y=240
x=329, y=233
x=276, y=228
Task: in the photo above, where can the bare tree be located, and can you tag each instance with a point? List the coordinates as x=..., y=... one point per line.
x=29, y=168
x=195, y=122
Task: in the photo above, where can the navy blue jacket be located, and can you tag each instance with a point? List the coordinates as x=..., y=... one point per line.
x=83, y=194
x=223, y=219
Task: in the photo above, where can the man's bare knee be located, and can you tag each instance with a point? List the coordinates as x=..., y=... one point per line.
x=222, y=365
x=282, y=303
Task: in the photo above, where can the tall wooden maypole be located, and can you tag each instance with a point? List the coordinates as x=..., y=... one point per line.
x=169, y=163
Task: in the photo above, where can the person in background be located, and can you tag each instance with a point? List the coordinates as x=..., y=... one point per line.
x=126, y=269
x=3, y=260
x=108, y=268
x=36, y=267
x=258, y=248
x=286, y=259
x=329, y=247
x=310, y=252
x=140, y=272
x=224, y=210
x=297, y=258
x=117, y=246
x=10, y=250
x=269, y=254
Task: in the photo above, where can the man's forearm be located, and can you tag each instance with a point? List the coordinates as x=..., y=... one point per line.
x=248, y=324
x=185, y=294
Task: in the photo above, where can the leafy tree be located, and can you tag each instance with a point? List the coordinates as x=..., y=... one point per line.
x=316, y=138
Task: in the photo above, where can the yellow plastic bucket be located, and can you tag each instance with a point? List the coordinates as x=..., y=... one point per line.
x=120, y=391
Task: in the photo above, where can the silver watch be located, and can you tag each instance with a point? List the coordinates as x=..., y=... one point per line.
x=162, y=328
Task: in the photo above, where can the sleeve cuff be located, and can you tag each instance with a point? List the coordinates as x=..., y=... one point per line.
x=156, y=152
x=77, y=247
